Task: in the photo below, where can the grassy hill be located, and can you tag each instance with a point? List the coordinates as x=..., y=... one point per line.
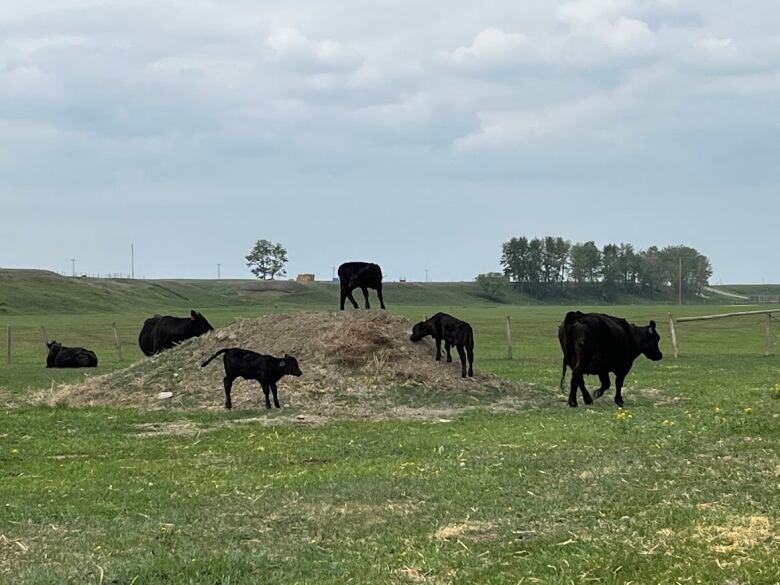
x=38, y=291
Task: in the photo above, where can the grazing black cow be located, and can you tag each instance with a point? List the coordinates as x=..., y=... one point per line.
x=69, y=357
x=161, y=333
x=266, y=369
x=598, y=344
x=453, y=332
x=362, y=275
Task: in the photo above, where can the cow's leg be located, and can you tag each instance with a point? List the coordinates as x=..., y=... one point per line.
x=267, y=392
x=276, y=398
x=379, y=294
x=352, y=299
x=605, y=384
x=470, y=355
x=343, y=297
x=574, y=384
x=228, y=381
x=365, y=294
x=438, y=349
x=447, y=348
x=586, y=397
x=462, y=354
x=619, y=379
x=579, y=368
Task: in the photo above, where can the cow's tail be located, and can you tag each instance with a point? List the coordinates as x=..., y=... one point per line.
x=563, y=373
x=212, y=358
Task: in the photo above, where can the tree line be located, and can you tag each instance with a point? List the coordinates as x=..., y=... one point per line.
x=544, y=265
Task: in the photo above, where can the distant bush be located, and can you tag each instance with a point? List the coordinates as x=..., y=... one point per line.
x=493, y=285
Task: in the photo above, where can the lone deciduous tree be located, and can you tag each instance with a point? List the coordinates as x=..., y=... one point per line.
x=267, y=260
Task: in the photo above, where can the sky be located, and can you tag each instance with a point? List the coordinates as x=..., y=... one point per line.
x=416, y=135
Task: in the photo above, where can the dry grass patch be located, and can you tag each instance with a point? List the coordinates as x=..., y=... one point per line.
x=740, y=537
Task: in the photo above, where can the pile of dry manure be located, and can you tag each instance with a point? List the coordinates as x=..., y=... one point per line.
x=355, y=364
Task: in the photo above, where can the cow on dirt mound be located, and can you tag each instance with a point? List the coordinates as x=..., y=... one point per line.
x=598, y=344
x=454, y=332
x=266, y=369
x=160, y=333
x=362, y=275
x=69, y=357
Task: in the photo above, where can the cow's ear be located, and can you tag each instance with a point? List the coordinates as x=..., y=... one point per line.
x=193, y=314
x=652, y=326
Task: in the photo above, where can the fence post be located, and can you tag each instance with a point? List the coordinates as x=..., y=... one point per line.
x=8, y=348
x=509, y=338
x=768, y=336
x=116, y=342
x=45, y=340
x=674, y=336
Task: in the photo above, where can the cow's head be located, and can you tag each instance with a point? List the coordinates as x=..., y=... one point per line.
x=200, y=322
x=289, y=365
x=54, y=346
x=419, y=331
x=647, y=341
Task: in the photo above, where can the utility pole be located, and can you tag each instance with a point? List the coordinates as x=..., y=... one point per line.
x=73, y=266
x=132, y=261
x=426, y=275
x=219, y=272
x=679, y=282
x=334, y=273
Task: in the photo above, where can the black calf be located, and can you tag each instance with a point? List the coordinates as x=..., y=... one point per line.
x=362, y=275
x=453, y=332
x=69, y=357
x=266, y=369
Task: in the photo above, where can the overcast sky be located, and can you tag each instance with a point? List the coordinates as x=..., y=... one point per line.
x=415, y=134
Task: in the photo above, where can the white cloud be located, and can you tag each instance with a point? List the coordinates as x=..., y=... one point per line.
x=291, y=47
x=491, y=47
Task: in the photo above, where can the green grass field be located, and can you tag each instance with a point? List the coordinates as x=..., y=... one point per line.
x=680, y=487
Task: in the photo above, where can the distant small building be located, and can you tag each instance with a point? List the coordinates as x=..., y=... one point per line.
x=305, y=278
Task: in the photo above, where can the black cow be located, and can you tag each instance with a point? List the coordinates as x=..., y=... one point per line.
x=598, y=344
x=453, y=332
x=161, y=333
x=266, y=369
x=362, y=275
x=69, y=357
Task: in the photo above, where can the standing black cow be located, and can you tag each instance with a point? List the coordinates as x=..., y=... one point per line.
x=453, y=332
x=161, y=333
x=69, y=357
x=266, y=369
x=362, y=275
x=598, y=344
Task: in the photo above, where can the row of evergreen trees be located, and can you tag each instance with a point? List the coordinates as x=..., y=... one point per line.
x=546, y=264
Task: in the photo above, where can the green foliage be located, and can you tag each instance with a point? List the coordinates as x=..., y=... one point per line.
x=267, y=260
x=545, y=265
x=493, y=285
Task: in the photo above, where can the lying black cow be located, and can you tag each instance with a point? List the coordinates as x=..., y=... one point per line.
x=69, y=357
x=454, y=332
x=598, y=344
x=266, y=369
x=161, y=333
x=362, y=275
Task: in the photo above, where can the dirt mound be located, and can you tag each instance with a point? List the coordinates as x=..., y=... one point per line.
x=355, y=363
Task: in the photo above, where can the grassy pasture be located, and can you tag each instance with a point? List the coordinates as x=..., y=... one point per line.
x=681, y=487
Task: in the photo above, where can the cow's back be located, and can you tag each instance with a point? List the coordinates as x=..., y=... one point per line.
x=370, y=273
x=601, y=337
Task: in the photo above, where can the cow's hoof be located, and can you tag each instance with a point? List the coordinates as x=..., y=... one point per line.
x=449, y=360
x=587, y=401
x=620, y=403
x=228, y=407
x=598, y=394
x=572, y=404
x=471, y=374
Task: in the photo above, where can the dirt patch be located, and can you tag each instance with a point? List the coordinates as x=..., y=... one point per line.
x=473, y=530
x=356, y=364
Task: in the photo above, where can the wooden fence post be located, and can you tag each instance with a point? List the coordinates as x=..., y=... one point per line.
x=768, y=336
x=116, y=342
x=8, y=349
x=509, y=338
x=674, y=336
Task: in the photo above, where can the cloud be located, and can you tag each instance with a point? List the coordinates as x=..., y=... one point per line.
x=490, y=48
x=290, y=47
